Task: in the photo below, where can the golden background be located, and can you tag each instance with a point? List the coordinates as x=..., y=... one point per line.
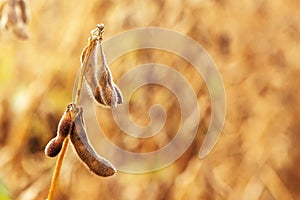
x=255, y=45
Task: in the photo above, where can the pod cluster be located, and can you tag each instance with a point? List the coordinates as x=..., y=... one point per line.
x=104, y=91
x=14, y=16
x=78, y=135
x=97, y=75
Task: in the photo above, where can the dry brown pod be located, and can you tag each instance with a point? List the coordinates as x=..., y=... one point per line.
x=98, y=76
x=85, y=151
x=90, y=76
x=108, y=89
x=54, y=146
x=15, y=17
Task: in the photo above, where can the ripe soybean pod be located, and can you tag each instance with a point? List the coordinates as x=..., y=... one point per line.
x=85, y=151
x=98, y=78
x=54, y=146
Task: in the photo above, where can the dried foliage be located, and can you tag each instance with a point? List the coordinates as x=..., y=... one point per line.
x=255, y=45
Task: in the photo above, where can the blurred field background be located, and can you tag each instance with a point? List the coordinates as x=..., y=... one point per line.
x=256, y=46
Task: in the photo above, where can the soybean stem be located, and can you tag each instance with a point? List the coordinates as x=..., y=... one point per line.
x=57, y=169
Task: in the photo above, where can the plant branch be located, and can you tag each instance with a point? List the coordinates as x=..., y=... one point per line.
x=60, y=159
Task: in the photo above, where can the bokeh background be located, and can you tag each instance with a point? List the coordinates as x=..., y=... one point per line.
x=255, y=45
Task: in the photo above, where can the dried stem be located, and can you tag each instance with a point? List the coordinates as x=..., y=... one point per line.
x=66, y=142
x=57, y=169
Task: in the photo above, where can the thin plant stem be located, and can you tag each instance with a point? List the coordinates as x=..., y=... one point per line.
x=57, y=169
x=66, y=142
x=80, y=81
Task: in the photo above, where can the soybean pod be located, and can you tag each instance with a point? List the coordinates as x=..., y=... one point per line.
x=64, y=127
x=85, y=151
